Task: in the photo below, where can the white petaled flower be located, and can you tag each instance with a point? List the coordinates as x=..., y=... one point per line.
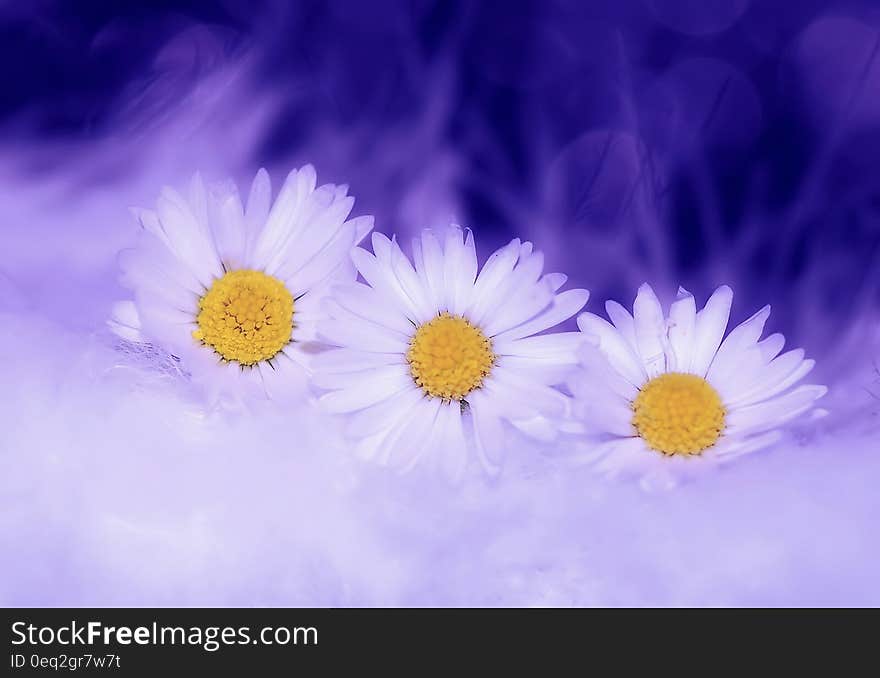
x=670, y=395
x=433, y=357
x=234, y=291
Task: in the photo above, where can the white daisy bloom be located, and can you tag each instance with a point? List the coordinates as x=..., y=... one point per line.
x=670, y=396
x=234, y=291
x=432, y=358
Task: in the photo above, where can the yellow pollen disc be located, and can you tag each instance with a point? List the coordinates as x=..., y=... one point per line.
x=448, y=357
x=246, y=316
x=678, y=414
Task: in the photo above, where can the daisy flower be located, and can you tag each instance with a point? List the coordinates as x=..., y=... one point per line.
x=667, y=392
x=433, y=356
x=234, y=291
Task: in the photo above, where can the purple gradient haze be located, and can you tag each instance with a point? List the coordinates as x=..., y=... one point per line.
x=672, y=142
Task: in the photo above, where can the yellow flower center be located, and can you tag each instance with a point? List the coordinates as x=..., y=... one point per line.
x=448, y=357
x=678, y=414
x=246, y=316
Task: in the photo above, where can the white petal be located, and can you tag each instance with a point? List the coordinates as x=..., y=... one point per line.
x=361, y=379
x=363, y=335
x=498, y=265
x=361, y=396
x=603, y=412
x=362, y=226
x=279, y=225
x=381, y=247
x=731, y=447
x=198, y=200
x=365, y=302
x=771, y=413
x=453, y=268
x=368, y=448
x=624, y=323
x=538, y=428
x=650, y=331
x=564, y=306
x=780, y=374
x=469, y=270
x=308, y=313
x=682, y=328
x=226, y=216
x=488, y=433
x=410, y=284
x=771, y=346
x=380, y=277
x=596, y=368
x=533, y=398
x=353, y=360
x=149, y=221
x=302, y=353
x=511, y=290
x=165, y=324
x=542, y=370
x=749, y=367
x=150, y=266
x=150, y=284
x=743, y=337
x=452, y=450
x=283, y=379
x=404, y=453
x=124, y=321
x=317, y=230
x=190, y=242
x=321, y=267
x=626, y=456
x=494, y=272
x=256, y=211
x=710, y=325
x=459, y=269
x=430, y=267
x=750, y=370
x=380, y=415
x=259, y=199
x=528, y=304
x=556, y=280
x=614, y=347
x=506, y=404
x=561, y=346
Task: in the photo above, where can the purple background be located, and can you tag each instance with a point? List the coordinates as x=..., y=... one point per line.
x=688, y=143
